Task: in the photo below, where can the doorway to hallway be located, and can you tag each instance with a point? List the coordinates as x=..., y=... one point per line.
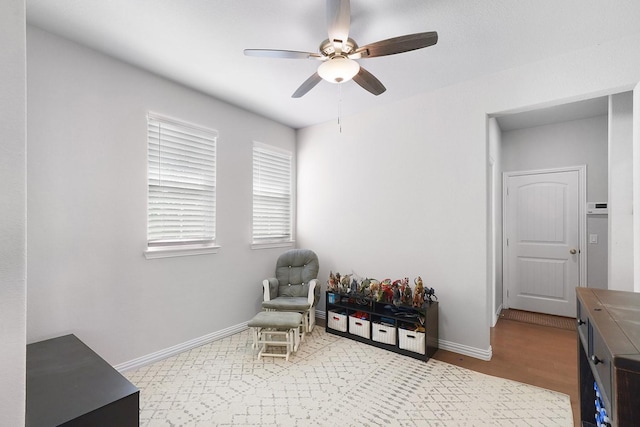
x=542, y=239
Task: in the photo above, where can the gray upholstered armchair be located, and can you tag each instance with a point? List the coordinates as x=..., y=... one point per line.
x=295, y=287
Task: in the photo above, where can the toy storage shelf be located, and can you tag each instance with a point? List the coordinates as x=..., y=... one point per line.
x=385, y=325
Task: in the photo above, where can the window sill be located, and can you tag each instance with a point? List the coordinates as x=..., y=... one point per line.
x=273, y=245
x=175, y=251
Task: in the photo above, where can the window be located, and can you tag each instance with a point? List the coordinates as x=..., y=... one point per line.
x=272, y=198
x=181, y=215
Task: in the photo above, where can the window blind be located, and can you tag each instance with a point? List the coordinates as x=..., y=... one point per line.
x=182, y=183
x=272, y=200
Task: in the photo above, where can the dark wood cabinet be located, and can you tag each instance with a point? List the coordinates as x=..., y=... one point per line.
x=609, y=357
x=70, y=385
x=402, y=329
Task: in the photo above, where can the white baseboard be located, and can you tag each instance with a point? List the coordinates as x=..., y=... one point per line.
x=179, y=348
x=321, y=314
x=232, y=330
x=466, y=350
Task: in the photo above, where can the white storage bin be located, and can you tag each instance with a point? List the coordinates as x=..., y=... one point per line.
x=337, y=321
x=359, y=327
x=411, y=340
x=384, y=334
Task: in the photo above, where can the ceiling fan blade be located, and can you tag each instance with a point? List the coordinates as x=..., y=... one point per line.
x=369, y=82
x=308, y=84
x=275, y=53
x=397, y=45
x=338, y=21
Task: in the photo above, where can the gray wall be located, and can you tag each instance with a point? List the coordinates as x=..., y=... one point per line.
x=577, y=142
x=621, y=192
x=12, y=212
x=495, y=202
x=419, y=208
x=412, y=197
x=597, y=251
x=87, y=157
x=636, y=186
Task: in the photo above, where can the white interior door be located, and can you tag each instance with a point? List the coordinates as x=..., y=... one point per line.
x=542, y=241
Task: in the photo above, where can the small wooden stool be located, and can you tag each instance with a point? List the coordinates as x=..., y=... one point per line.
x=267, y=325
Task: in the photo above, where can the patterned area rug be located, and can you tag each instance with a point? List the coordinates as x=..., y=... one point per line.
x=332, y=381
x=539, y=319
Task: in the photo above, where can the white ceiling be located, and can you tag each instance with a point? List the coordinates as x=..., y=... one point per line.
x=200, y=43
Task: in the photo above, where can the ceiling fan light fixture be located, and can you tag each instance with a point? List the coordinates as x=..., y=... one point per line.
x=339, y=51
x=338, y=69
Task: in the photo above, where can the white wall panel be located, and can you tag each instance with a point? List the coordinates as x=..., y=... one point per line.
x=12, y=212
x=87, y=158
x=572, y=143
x=636, y=187
x=402, y=190
x=621, y=192
x=495, y=229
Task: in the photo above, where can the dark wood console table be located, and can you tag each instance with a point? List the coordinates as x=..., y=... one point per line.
x=70, y=385
x=609, y=356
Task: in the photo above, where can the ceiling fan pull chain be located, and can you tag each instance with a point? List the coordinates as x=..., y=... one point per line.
x=340, y=108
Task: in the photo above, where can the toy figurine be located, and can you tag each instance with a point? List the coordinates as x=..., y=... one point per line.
x=374, y=289
x=363, y=288
x=407, y=295
x=429, y=293
x=395, y=287
x=418, y=292
x=332, y=283
x=354, y=286
x=385, y=286
x=345, y=282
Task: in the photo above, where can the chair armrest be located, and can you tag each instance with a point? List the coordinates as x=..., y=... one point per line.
x=314, y=289
x=270, y=288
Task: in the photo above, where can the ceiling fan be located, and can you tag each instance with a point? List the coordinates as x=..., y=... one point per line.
x=339, y=52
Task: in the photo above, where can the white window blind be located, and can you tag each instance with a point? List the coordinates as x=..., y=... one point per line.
x=182, y=183
x=272, y=199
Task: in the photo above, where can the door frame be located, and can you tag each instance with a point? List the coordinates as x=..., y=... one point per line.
x=582, y=223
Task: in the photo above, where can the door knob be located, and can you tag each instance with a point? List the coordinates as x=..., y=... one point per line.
x=572, y=251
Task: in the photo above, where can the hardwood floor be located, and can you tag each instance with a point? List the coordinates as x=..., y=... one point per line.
x=542, y=356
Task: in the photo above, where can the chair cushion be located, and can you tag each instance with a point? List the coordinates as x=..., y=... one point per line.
x=294, y=290
x=287, y=304
x=274, y=319
x=297, y=266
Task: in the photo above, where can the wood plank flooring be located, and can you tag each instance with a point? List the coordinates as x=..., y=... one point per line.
x=542, y=356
